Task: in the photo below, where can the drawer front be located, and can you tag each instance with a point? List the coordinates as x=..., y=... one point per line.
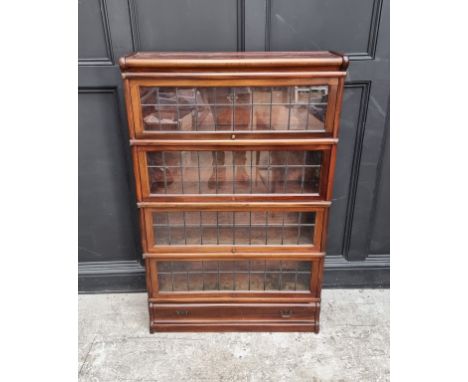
x=233, y=312
x=242, y=174
x=233, y=229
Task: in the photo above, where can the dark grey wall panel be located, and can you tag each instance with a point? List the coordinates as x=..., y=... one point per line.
x=93, y=34
x=255, y=25
x=196, y=25
x=119, y=23
x=341, y=25
x=380, y=238
x=106, y=228
x=369, y=157
x=350, y=125
x=358, y=240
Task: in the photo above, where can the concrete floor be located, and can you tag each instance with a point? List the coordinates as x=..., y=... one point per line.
x=353, y=345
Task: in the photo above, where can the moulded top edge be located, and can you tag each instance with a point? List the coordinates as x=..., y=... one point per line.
x=317, y=60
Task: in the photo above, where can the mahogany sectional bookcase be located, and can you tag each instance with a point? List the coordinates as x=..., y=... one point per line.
x=234, y=155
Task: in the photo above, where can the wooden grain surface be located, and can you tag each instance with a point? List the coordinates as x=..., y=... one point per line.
x=235, y=310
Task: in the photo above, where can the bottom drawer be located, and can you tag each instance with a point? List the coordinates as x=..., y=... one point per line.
x=234, y=317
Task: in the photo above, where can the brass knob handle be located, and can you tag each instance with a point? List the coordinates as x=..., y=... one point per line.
x=233, y=136
x=286, y=313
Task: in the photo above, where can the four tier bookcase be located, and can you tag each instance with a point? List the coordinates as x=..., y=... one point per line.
x=234, y=155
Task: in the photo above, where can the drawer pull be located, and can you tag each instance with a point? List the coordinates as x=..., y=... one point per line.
x=182, y=312
x=285, y=313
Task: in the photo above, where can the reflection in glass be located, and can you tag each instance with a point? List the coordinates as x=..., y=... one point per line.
x=234, y=109
x=234, y=172
x=233, y=228
x=232, y=275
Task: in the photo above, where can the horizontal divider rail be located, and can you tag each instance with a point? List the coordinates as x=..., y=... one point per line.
x=238, y=298
x=229, y=255
x=236, y=144
x=236, y=206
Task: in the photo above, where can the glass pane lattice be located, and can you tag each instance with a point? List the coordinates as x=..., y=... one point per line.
x=233, y=228
x=242, y=275
x=234, y=172
x=299, y=108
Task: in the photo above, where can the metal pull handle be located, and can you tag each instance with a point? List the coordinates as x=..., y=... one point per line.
x=182, y=312
x=286, y=313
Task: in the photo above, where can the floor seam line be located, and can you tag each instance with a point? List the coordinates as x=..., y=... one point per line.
x=87, y=354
